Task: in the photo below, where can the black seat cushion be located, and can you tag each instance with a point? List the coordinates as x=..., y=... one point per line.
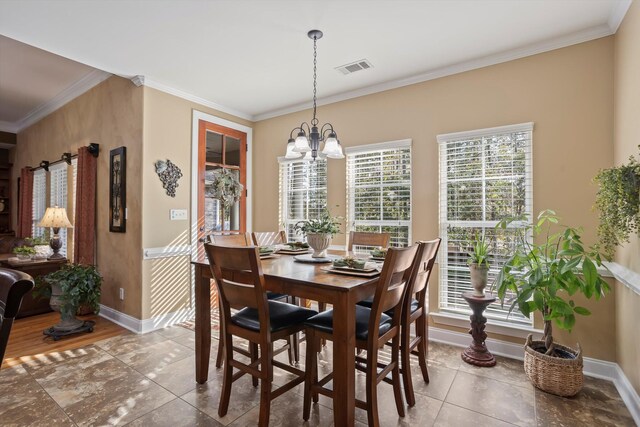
x=324, y=322
x=369, y=303
x=273, y=295
x=281, y=315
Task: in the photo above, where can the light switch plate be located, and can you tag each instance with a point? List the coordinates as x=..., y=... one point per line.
x=178, y=214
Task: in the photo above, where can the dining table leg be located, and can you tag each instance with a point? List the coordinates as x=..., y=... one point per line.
x=344, y=374
x=203, y=323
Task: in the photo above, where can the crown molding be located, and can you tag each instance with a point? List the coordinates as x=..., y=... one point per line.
x=198, y=100
x=78, y=88
x=8, y=127
x=618, y=12
x=533, y=49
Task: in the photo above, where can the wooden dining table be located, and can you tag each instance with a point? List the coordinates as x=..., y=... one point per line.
x=303, y=280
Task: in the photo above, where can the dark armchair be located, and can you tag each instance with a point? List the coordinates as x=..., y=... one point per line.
x=13, y=286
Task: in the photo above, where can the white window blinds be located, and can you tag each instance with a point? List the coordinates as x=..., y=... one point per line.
x=379, y=190
x=39, y=201
x=303, y=192
x=485, y=175
x=58, y=195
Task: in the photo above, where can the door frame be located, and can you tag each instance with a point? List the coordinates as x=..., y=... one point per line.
x=197, y=116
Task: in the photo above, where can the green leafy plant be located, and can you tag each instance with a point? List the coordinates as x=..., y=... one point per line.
x=24, y=250
x=479, y=252
x=80, y=284
x=618, y=200
x=225, y=187
x=324, y=224
x=36, y=241
x=543, y=277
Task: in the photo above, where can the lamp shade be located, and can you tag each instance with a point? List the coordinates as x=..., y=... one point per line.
x=302, y=143
x=290, y=153
x=332, y=149
x=55, y=217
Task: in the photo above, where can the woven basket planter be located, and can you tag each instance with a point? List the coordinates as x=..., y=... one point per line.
x=555, y=375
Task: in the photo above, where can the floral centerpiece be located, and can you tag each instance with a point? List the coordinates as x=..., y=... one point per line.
x=319, y=232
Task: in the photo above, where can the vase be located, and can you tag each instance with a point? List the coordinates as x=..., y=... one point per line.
x=319, y=243
x=43, y=251
x=478, y=278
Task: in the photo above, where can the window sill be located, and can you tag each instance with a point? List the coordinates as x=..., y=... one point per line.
x=493, y=326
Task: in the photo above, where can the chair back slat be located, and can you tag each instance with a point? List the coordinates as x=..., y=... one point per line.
x=268, y=238
x=229, y=239
x=238, y=275
x=392, y=284
x=360, y=238
x=425, y=259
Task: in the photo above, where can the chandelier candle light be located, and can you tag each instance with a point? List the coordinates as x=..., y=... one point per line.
x=311, y=144
x=56, y=218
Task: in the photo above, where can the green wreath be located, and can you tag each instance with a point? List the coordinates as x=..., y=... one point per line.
x=225, y=187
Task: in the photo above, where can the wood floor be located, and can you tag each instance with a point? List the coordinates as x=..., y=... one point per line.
x=27, y=341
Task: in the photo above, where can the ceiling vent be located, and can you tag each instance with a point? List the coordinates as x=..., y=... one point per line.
x=360, y=65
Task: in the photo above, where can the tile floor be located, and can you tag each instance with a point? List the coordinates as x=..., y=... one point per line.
x=147, y=380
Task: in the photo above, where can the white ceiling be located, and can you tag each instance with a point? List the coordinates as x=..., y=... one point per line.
x=253, y=58
x=30, y=77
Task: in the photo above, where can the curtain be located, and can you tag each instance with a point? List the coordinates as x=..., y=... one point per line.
x=84, y=237
x=25, y=210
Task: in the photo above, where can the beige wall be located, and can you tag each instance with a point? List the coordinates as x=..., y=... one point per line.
x=567, y=93
x=109, y=114
x=167, y=135
x=626, y=131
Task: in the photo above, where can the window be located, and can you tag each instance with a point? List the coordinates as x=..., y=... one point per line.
x=39, y=201
x=58, y=195
x=485, y=175
x=379, y=190
x=303, y=192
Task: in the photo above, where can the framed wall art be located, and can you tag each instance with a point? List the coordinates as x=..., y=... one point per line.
x=117, y=189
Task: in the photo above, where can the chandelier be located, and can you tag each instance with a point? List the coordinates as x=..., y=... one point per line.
x=311, y=144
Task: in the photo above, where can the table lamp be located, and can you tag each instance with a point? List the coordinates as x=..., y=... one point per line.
x=56, y=218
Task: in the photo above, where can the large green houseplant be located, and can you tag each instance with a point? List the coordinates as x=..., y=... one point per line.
x=544, y=277
x=618, y=200
x=73, y=286
x=319, y=232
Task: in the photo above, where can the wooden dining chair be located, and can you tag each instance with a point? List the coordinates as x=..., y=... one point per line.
x=229, y=239
x=243, y=239
x=373, y=329
x=361, y=238
x=415, y=310
x=13, y=287
x=241, y=285
x=269, y=238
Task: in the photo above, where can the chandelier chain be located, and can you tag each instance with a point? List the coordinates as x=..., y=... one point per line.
x=314, y=122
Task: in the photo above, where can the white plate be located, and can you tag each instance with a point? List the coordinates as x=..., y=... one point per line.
x=310, y=259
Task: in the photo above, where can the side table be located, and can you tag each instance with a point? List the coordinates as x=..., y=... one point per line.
x=477, y=354
x=31, y=306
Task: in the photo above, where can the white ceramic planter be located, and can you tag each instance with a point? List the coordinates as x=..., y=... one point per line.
x=478, y=278
x=319, y=243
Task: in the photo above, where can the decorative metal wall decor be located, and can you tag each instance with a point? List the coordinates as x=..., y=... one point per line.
x=169, y=174
x=117, y=189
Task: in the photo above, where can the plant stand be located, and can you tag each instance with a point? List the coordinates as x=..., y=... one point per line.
x=477, y=354
x=56, y=334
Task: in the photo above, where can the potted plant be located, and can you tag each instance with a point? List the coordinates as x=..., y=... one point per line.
x=479, y=265
x=618, y=200
x=73, y=286
x=319, y=232
x=41, y=246
x=543, y=277
x=24, y=252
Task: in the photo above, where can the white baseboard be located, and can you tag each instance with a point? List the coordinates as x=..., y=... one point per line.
x=146, y=325
x=592, y=367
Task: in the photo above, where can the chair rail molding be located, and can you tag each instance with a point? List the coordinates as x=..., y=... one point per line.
x=166, y=251
x=622, y=274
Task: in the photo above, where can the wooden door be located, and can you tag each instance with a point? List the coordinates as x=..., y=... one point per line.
x=219, y=148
